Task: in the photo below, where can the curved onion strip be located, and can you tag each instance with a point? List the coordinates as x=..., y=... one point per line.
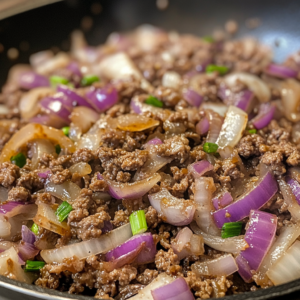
x=178, y=212
x=161, y=280
x=204, y=188
x=132, y=122
x=232, y=245
x=215, y=125
x=287, y=267
x=5, y=227
x=254, y=83
x=46, y=218
x=33, y=131
x=224, y=265
x=285, y=239
x=81, y=168
x=67, y=191
x=234, y=124
x=131, y=190
x=39, y=147
x=218, y=108
x=199, y=168
x=83, y=118
x=59, y=61
x=84, y=249
x=90, y=140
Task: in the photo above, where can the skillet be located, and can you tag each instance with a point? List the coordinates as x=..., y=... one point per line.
x=50, y=26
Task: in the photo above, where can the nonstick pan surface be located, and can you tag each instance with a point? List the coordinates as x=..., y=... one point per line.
x=50, y=26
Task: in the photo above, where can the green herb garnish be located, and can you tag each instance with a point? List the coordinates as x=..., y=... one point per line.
x=151, y=100
x=63, y=211
x=138, y=222
x=231, y=229
x=210, y=147
x=215, y=68
x=19, y=160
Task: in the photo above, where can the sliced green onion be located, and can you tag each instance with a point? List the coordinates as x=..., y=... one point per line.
x=210, y=147
x=57, y=148
x=252, y=131
x=89, y=80
x=55, y=80
x=66, y=130
x=35, y=228
x=32, y=266
x=63, y=211
x=215, y=68
x=231, y=229
x=138, y=222
x=151, y=100
x=208, y=39
x=19, y=160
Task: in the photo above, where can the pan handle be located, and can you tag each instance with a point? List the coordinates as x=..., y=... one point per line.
x=12, y=7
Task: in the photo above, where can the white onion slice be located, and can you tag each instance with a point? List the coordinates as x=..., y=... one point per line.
x=84, y=249
x=287, y=268
x=39, y=147
x=232, y=245
x=171, y=79
x=81, y=168
x=5, y=227
x=254, y=84
x=59, y=61
x=285, y=239
x=232, y=129
x=224, y=265
x=83, y=118
x=67, y=191
x=219, y=108
x=90, y=140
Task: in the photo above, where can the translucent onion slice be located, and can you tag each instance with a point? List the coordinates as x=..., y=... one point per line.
x=285, y=239
x=132, y=122
x=33, y=131
x=39, y=147
x=218, y=108
x=215, y=126
x=287, y=267
x=254, y=84
x=5, y=227
x=46, y=218
x=81, y=168
x=232, y=245
x=234, y=124
x=84, y=118
x=67, y=191
x=204, y=188
x=171, y=79
x=222, y=266
x=84, y=249
x=199, y=168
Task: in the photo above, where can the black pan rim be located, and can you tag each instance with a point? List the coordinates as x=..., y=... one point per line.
x=39, y=292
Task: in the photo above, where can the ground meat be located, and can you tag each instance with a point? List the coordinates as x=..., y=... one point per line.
x=46, y=239
x=147, y=276
x=61, y=176
x=8, y=174
x=121, y=218
x=152, y=217
x=202, y=288
x=230, y=169
x=274, y=160
x=43, y=198
x=82, y=155
x=167, y=262
x=249, y=145
x=98, y=185
x=48, y=280
x=129, y=291
x=19, y=194
x=30, y=181
x=169, y=96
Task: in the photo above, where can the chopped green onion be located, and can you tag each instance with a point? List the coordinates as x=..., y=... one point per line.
x=55, y=80
x=89, y=80
x=32, y=266
x=19, y=160
x=208, y=39
x=252, y=131
x=214, y=68
x=151, y=100
x=231, y=229
x=57, y=148
x=35, y=228
x=66, y=130
x=210, y=147
x=63, y=211
x=138, y=222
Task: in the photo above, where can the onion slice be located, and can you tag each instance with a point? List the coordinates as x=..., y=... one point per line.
x=255, y=199
x=215, y=126
x=67, y=191
x=84, y=249
x=132, y=122
x=265, y=115
x=199, y=168
x=281, y=71
x=222, y=200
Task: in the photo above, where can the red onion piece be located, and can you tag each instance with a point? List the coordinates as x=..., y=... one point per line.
x=255, y=199
x=202, y=126
x=146, y=255
x=178, y=212
x=259, y=235
x=199, y=168
x=102, y=99
x=45, y=174
x=56, y=107
x=27, y=235
x=75, y=98
x=244, y=268
x=131, y=190
x=265, y=115
x=27, y=251
x=295, y=187
x=192, y=97
x=155, y=141
x=108, y=226
x=215, y=126
x=222, y=201
x=176, y=290
x=30, y=80
x=13, y=208
x=281, y=71
x=74, y=68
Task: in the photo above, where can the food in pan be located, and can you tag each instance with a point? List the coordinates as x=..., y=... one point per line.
x=155, y=166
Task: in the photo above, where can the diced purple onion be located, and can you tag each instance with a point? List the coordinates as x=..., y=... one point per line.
x=27, y=251
x=176, y=290
x=192, y=97
x=13, y=208
x=153, y=142
x=146, y=255
x=281, y=71
x=74, y=68
x=56, y=107
x=244, y=269
x=27, y=235
x=30, y=80
x=222, y=201
x=260, y=233
x=108, y=226
x=102, y=99
x=202, y=126
x=198, y=168
x=255, y=199
x=75, y=98
x=295, y=187
x=45, y=174
x=265, y=115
